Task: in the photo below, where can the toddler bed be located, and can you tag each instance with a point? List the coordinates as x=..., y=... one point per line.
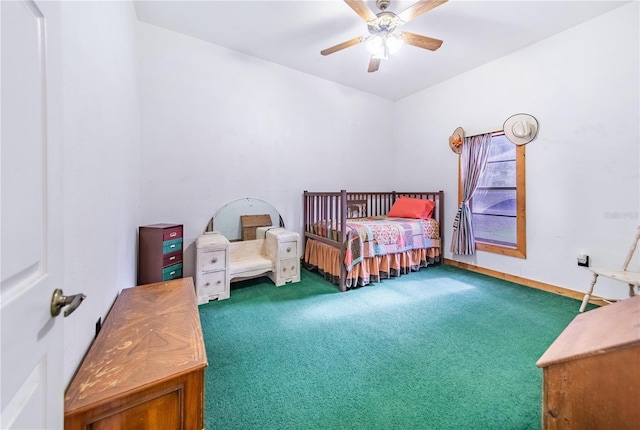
x=387, y=234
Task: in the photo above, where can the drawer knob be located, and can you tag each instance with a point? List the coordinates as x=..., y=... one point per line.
x=284, y=269
x=219, y=282
x=214, y=260
x=173, y=234
x=207, y=284
x=172, y=273
x=172, y=258
x=172, y=246
x=289, y=249
x=293, y=268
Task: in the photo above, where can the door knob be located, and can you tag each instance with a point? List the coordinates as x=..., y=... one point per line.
x=58, y=301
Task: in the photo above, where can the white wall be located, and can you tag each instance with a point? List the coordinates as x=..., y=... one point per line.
x=218, y=125
x=582, y=170
x=101, y=134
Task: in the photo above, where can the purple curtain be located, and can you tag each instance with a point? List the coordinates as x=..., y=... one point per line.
x=473, y=159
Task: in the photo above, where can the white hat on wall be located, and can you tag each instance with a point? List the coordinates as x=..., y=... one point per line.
x=520, y=128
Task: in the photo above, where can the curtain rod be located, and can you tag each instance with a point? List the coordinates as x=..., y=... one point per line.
x=491, y=132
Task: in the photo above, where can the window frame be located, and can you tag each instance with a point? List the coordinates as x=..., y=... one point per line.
x=520, y=250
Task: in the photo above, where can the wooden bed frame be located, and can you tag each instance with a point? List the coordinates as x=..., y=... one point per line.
x=342, y=205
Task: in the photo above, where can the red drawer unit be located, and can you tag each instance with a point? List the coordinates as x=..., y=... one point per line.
x=159, y=252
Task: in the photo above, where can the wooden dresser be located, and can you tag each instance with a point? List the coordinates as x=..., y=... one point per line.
x=159, y=253
x=591, y=372
x=145, y=369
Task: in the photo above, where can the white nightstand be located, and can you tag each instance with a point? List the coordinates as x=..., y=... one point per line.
x=283, y=248
x=212, y=267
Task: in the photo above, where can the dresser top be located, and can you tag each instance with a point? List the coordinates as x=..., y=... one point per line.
x=211, y=238
x=161, y=225
x=597, y=331
x=282, y=235
x=151, y=334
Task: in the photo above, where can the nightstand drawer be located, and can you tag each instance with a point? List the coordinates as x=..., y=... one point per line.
x=213, y=260
x=212, y=283
x=172, y=272
x=171, y=246
x=287, y=250
x=173, y=258
x=289, y=268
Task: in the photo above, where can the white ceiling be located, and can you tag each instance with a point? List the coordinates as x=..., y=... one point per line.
x=292, y=33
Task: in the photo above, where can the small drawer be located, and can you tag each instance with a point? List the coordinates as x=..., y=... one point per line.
x=173, y=258
x=289, y=268
x=212, y=283
x=172, y=272
x=169, y=246
x=172, y=233
x=287, y=250
x=213, y=260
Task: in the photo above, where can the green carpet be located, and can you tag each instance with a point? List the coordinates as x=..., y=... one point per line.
x=442, y=348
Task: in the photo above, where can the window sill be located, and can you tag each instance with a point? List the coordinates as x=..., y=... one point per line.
x=497, y=249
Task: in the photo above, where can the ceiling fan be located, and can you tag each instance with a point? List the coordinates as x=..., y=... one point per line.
x=383, y=39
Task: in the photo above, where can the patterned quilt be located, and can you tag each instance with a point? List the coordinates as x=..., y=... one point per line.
x=368, y=237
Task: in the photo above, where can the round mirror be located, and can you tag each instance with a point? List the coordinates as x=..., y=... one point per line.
x=253, y=213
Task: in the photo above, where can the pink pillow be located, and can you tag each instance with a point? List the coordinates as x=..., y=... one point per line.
x=408, y=207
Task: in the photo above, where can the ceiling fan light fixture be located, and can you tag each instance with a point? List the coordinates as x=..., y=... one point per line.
x=383, y=44
x=376, y=47
x=394, y=42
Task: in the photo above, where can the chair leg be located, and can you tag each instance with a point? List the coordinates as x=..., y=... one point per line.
x=585, y=300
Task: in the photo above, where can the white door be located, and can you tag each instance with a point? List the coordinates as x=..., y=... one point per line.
x=31, y=235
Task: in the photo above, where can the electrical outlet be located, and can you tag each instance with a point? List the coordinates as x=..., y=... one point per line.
x=583, y=260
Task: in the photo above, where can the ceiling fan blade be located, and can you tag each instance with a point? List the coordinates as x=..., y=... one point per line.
x=418, y=9
x=361, y=9
x=423, y=42
x=374, y=65
x=341, y=46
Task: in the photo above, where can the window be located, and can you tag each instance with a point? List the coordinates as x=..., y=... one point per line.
x=498, y=205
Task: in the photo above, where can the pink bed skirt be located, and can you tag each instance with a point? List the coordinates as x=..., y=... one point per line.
x=326, y=259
